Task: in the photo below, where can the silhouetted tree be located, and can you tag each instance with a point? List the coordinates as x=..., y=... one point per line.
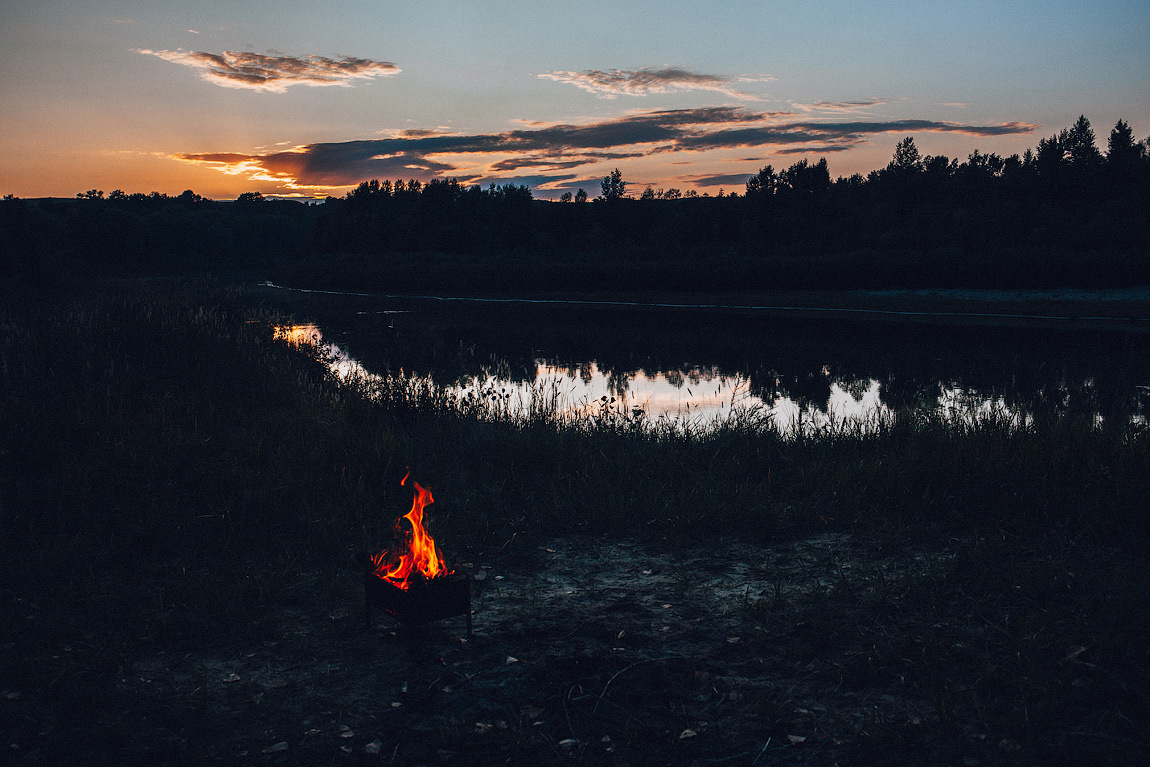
x=939, y=166
x=804, y=179
x=902, y=174
x=613, y=186
x=1079, y=146
x=920, y=220
x=1124, y=156
x=906, y=157
x=763, y=184
x=1050, y=158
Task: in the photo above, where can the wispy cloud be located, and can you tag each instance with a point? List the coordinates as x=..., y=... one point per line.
x=842, y=107
x=276, y=73
x=520, y=162
x=544, y=182
x=824, y=136
x=640, y=82
x=824, y=149
x=560, y=147
x=722, y=179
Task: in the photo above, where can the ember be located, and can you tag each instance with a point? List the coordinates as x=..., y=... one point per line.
x=411, y=582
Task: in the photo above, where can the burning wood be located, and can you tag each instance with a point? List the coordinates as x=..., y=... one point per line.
x=420, y=559
x=411, y=581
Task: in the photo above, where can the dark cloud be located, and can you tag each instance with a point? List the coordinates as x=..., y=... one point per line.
x=844, y=134
x=424, y=154
x=544, y=182
x=240, y=69
x=562, y=161
x=421, y=133
x=814, y=149
x=518, y=163
x=639, y=82
x=723, y=179
x=324, y=165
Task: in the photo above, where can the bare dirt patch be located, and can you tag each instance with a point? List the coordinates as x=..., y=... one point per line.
x=600, y=653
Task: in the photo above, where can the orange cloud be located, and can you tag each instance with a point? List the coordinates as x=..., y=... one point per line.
x=558, y=147
x=263, y=72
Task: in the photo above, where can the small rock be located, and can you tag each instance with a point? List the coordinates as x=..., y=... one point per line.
x=1009, y=746
x=281, y=746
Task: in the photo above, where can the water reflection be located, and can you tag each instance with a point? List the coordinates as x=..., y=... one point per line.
x=337, y=359
x=702, y=395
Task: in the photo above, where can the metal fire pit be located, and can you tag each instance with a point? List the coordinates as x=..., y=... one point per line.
x=422, y=602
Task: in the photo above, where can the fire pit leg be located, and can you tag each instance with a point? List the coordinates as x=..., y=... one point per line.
x=366, y=603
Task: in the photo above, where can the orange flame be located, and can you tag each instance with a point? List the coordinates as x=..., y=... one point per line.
x=422, y=557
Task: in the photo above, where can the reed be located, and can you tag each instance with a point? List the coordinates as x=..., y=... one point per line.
x=170, y=469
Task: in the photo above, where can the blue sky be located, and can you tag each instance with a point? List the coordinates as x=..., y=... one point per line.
x=297, y=98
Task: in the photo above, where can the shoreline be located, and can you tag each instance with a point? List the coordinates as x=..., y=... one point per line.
x=1119, y=309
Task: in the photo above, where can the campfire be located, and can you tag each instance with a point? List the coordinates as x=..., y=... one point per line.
x=410, y=581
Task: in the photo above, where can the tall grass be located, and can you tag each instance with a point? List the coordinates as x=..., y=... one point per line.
x=157, y=422
x=170, y=470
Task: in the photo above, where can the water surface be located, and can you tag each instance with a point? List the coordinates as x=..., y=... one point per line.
x=697, y=365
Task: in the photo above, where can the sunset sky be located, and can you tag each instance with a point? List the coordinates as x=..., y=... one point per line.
x=308, y=99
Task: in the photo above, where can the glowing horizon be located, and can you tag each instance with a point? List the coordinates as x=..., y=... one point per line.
x=294, y=100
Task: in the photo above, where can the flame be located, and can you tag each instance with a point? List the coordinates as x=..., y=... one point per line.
x=421, y=558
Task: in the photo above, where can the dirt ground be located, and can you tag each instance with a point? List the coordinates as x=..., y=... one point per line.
x=582, y=651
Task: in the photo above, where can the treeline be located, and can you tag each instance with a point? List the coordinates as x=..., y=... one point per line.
x=148, y=233
x=439, y=216
x=1063, y=213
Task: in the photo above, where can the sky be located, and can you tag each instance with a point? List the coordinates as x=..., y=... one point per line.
x=308, y=99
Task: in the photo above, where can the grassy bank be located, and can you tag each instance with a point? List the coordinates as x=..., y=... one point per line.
x=175, y=479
